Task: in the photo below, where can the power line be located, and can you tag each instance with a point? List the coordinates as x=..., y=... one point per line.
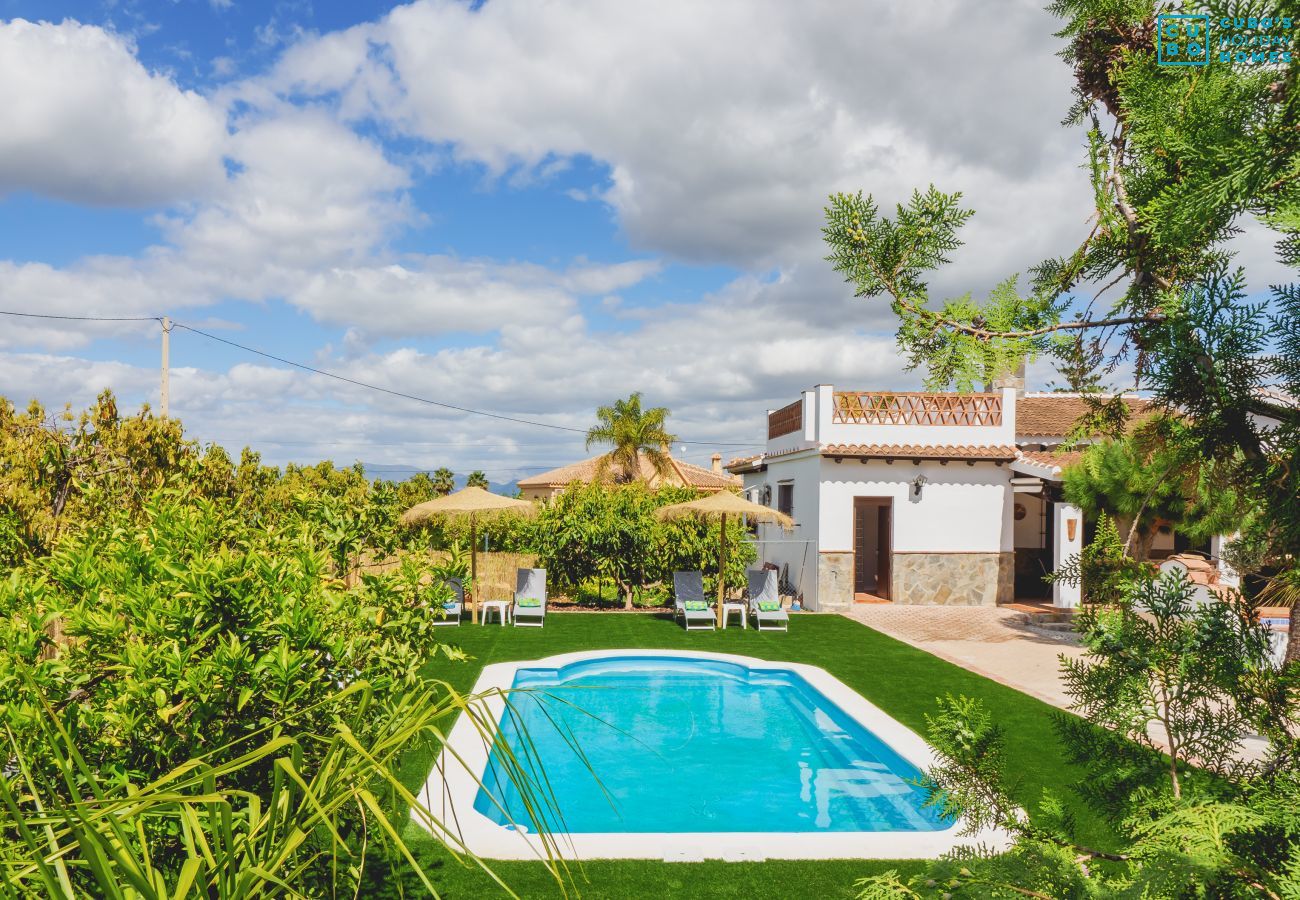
x=343, y=378
x=83, y=318
x=405, y=396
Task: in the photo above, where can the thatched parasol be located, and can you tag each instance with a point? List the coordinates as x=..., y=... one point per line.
x=719, y=506
x=471, y=503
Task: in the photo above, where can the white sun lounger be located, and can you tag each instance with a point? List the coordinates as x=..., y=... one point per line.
x=688, y=587
x=763, y=589
x=530, y=584
x=452, y=610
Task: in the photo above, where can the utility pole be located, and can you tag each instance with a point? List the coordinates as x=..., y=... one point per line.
x=166, y=348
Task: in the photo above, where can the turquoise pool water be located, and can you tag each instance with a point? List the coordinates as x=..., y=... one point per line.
x=691, y=745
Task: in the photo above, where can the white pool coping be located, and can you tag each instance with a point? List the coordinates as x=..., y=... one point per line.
x=454, y=783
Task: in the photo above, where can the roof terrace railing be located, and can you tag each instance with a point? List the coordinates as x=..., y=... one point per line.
x=914, y=408
x=786, y=420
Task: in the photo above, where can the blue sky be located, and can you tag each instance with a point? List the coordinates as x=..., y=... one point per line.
x=526, y=208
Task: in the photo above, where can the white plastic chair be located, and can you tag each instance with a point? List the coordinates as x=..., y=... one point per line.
x=452, y=610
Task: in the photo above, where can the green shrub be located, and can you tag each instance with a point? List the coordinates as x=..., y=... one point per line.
x=161, y=641
x=591, y=532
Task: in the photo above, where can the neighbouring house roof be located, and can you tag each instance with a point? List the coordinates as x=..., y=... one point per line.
x=744, y=464
x=1055, y=415
x=1004, y=453
x=585, y=471
x=1051, y=460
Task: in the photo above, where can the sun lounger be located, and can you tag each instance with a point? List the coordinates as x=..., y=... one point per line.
x=765, y=601
x=690, y=603
x=530, y=597
x=452, y=609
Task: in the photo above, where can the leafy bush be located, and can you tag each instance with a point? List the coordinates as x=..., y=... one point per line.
x=1175, y=688
x=596, y=531
x=159, y=642
x=1105, y=571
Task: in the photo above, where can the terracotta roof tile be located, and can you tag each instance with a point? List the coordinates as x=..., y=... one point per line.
x=922, y=451
x=585, y=471
x=1056, y=415
x=1052, y=459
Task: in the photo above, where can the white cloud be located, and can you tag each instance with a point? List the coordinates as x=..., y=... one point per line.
x=725, y=125
x=85, y=121
x=444, y=295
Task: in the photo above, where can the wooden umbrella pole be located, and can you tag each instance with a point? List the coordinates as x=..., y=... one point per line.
x=722, y=568
x=473, y=569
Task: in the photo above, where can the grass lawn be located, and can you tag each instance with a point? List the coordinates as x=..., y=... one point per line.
x=901, y=680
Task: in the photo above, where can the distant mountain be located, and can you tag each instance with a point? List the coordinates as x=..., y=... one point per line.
x=390, y=472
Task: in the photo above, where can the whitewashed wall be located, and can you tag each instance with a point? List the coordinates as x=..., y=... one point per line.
x=962, y=509
x=819, y=407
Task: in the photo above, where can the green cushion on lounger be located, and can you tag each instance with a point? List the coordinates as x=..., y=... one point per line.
x=695, y=605
x=529, y=602
x=769, y=605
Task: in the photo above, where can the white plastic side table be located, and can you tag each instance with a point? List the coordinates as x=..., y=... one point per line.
x=729, y=608
x=500, y=607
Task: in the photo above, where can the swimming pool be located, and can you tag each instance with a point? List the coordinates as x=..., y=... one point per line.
x=677, y=744
x=690, y=755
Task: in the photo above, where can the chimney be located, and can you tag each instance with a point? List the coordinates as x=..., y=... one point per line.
x=1014, y=379
x=717, y=463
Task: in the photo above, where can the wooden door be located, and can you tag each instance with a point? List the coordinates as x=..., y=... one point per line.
x=872, y=525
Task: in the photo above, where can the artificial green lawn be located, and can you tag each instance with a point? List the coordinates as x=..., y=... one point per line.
x=901, y=680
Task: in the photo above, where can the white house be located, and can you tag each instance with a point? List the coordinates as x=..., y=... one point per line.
x=923, y=498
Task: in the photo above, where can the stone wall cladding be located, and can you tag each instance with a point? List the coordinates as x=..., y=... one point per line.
x=953, y=579
x=834, y=582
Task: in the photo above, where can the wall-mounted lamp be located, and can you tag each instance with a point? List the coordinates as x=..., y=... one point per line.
x=918, y=482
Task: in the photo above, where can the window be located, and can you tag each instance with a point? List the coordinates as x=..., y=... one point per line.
x=785, y=498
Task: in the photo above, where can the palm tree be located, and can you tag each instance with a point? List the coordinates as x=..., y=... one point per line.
x=477, y=478
x=634, y=433
x=444, y=482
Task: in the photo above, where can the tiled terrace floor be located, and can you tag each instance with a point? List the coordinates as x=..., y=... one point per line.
x=995, y=642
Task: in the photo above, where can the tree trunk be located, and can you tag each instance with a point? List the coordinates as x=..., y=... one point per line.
x=1142, y=546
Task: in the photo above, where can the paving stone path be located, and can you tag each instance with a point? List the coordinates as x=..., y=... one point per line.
x=997, y=643
x=993, y=642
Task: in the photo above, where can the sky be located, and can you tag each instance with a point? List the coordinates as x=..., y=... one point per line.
x=523, y=207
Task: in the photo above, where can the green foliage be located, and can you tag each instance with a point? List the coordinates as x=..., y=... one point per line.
x=880, y=256
x=477, y=479
x=1158, y=661
x=192, y=831
x=633, y=433
x=444, y=482
x=598, y=531
x=1170, y=684
x=1103, y=568
x=1150, y=478
x=59, y=469
x=161, y=641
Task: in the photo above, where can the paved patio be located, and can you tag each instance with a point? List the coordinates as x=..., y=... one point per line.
x=997, y=643
x=991, y=641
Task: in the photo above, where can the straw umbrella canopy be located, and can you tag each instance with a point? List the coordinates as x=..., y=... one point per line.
x=471, y=503
x=718, y=506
